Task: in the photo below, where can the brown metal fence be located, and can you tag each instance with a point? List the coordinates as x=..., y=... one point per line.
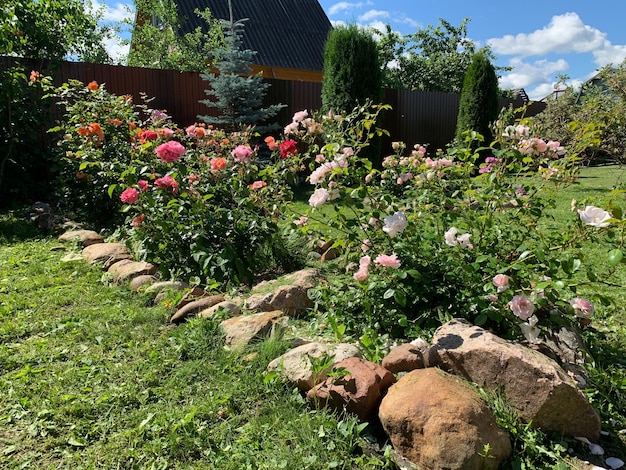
x=416, y=116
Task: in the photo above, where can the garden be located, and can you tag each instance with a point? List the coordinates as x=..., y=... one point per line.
x=504, y=229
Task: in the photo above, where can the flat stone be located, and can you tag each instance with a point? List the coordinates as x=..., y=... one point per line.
x=139, y=282
x=106, y=253
x=296, y=364
x=241, y=330
x=195, y=306
x=85, y=237
x=126, y=269
x=232, y=308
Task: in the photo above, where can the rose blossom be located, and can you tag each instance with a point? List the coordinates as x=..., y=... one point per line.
x=242, y=153
x=388, y=261
x=394, y=224
x=288, y=147
x=130, y=196
x=319, y=197
x=522, y=307
x=166, y=182
x=137, y=221
x=257, y=185
x=501, y=282
x=170, y=151
x=582, y=307
x=302, y=221
x=143, y=185
x=594, y=216
x=361, y=274
x=218, y=163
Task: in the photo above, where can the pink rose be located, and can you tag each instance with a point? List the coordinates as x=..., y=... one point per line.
x=361, y=274
x=522, y=307
x=143, y=185
x=582, y=307
x=170, y=151
x=388, y=261
x=130, y=196
x=242, y=153
x=319, y=197
x=257, y=185
x=501, y=282
x=166, y=182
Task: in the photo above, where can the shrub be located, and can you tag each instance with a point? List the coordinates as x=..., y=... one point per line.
x=428, y=240
x=25, y=163
x=198, y=202
x=352, y=75
x=479, y=106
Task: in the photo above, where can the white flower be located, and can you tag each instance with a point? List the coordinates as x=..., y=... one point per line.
x=594, y=216
x=394, y=224
x=319, y=197
x=453, y=240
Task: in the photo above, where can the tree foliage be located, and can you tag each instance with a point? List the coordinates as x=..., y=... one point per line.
x=52, y=30
x=237, y=95
x=479, y=106
x=157, y=40
x=352, y=70
x=434, y=58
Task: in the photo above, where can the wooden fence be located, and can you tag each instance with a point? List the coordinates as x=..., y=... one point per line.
x=416, y=116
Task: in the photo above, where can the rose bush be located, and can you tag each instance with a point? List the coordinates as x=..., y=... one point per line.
x=462, y=238
x=199, y=203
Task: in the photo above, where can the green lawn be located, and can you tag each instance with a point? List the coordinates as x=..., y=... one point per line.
x=93, y=376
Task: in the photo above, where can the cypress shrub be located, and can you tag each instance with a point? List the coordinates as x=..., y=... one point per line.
x=479, y=106
x=352, y=75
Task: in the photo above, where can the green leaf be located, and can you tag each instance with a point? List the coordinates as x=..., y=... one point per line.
x=75, y=442
x=615, y=257
x=400, y=298
x=389, y=293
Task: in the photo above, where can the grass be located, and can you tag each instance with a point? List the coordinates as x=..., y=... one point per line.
x=93, y=376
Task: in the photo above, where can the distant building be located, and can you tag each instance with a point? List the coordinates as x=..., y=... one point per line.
x=288, y=35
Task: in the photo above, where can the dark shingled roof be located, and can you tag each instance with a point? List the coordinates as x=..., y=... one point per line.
x=284, y=33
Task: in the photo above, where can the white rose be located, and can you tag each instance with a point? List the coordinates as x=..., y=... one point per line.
x=394, y=224
x=594, y=216
x=319, y=197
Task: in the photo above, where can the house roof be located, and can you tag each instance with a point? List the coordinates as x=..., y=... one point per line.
x=284, y=33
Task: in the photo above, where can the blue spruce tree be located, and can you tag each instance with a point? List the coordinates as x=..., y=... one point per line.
x=237, y=95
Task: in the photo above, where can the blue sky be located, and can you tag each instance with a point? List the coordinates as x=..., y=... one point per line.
x=539, y=39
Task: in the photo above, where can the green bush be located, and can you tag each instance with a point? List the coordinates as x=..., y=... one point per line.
x=198, y=202
x=479, y=106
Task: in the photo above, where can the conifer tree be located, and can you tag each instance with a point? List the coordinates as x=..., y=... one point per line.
x=238, y=96
x=479, y=106
x=352, y=70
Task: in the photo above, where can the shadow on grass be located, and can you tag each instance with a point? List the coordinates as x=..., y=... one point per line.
x=16, y=227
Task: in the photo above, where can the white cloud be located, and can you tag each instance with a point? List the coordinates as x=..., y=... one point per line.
x=525, y=74
x=565, y=33
x=116, y=49
x=119, y=12
x=346, y=6
x=372, y=15
x=609, y=54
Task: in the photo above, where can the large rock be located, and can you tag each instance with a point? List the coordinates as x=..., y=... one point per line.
x=126, y=270
x=241, y=330
x=84, y=237
x=106, y=253
x=437, y=421
x=296, y=364
x=358, y=392
x=194, y=307
x=535, y=385
x=231, y=308
x=287, y=294
x=404, y=358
